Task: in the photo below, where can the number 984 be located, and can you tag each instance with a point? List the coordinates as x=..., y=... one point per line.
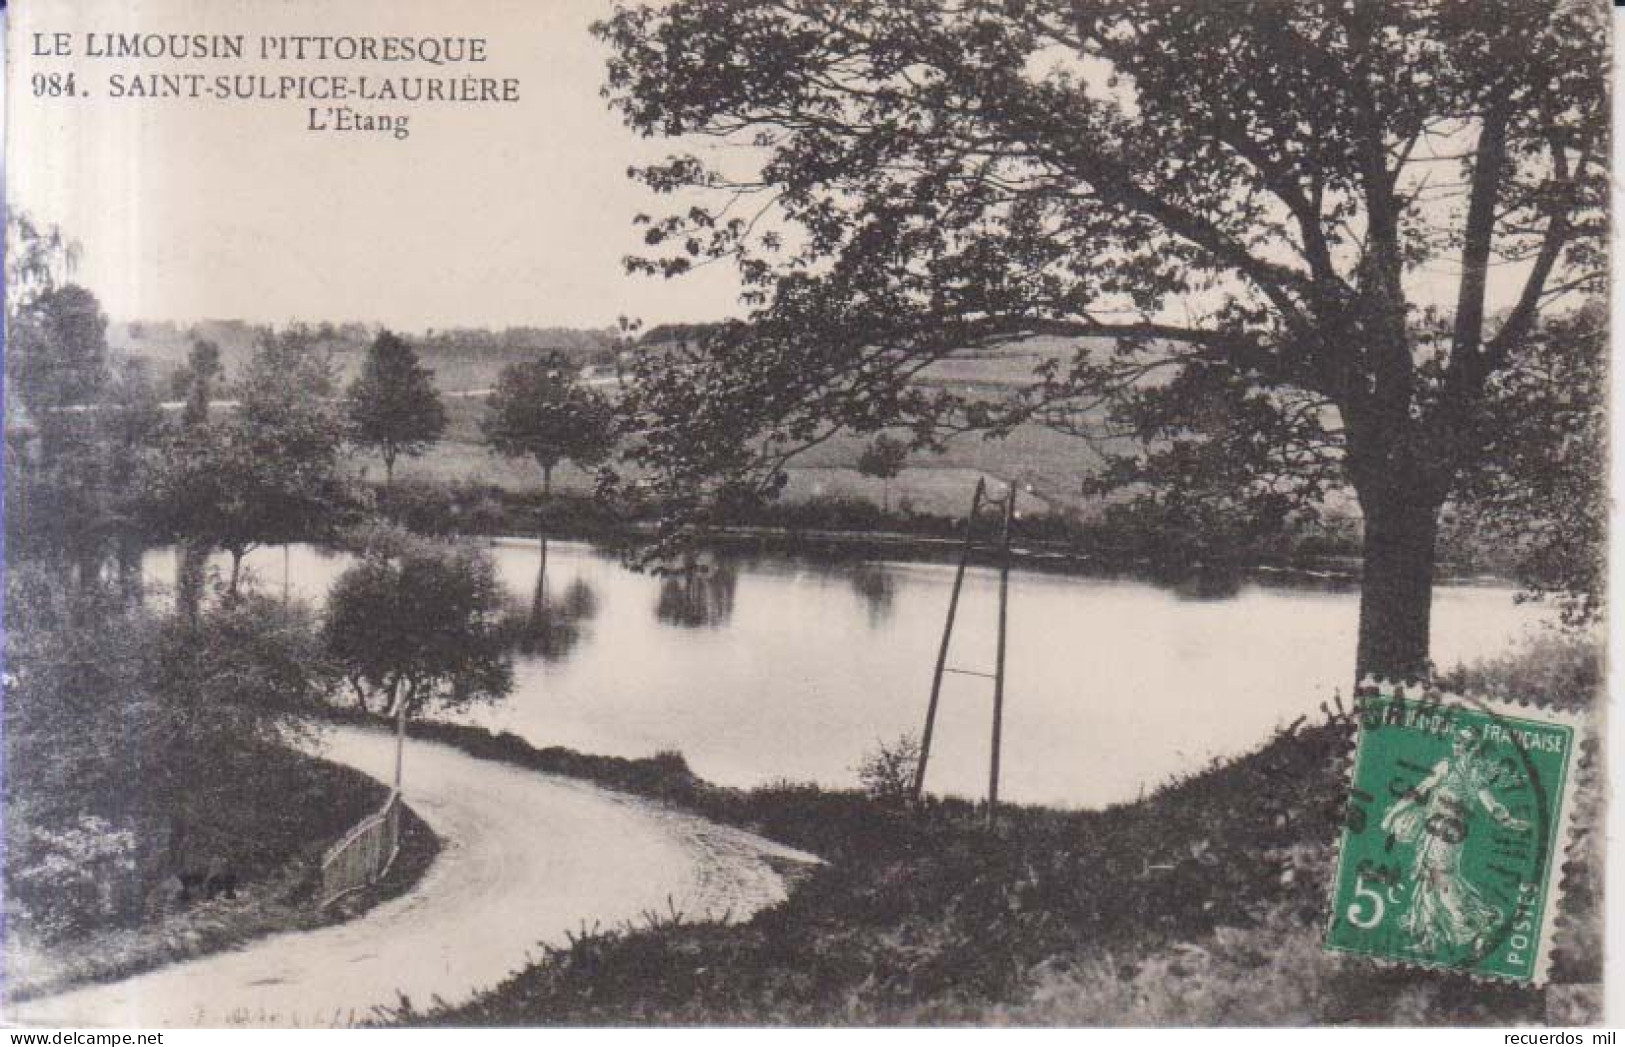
x=54, y=85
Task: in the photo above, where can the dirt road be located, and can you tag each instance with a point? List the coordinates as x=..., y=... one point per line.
x=524, y=858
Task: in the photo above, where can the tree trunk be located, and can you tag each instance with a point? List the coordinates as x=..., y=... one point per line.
x=88, y=566
x=131, y=584
x=1396, y=589
x=190, y=568
x=176, y=845
x=400, y=743
x=389, y=470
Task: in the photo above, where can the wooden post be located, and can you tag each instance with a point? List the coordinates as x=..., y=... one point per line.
x=998, y=665
x=947, y=634
x=400, y=741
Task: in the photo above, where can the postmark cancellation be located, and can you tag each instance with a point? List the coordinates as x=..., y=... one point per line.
x=1459, y=814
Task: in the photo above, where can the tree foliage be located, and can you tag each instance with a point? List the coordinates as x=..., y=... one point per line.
x=1293, y=243
x=414, y=623
x=57, y=351
x=268, y=471
x=1541, y=493
x=117, y=711
x=70, y=448
x=195, y=383
x=394, y=406
x=38, y=258
x=540, y=410
x=883, y=458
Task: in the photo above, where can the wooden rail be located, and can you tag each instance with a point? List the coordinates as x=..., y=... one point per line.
x=365, y=853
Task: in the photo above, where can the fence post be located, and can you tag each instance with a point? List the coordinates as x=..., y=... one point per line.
x=400, y=740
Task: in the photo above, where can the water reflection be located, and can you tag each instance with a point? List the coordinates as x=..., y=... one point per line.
x=877, y=589
x=1112, y=683
x=553, y=626
x=1207, y=583
x=700, y=597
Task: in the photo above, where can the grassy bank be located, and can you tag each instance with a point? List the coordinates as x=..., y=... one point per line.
x=276, y=849
x=1202, y=904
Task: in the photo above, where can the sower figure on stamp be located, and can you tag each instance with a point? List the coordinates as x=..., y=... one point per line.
x=1446, y=910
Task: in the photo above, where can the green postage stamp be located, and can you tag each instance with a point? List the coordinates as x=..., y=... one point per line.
x=1452, y=848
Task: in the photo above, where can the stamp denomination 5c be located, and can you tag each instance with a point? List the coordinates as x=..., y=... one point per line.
x=1452, y=848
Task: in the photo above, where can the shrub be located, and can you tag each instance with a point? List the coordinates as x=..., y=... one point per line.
x=124, y=728
x=81, y=870
x=886, y=772
x=415, y=622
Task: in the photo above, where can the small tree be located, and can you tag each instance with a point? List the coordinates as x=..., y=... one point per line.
x=540, y=410
x=195, y=382
x=883, y=459
x=394, y=406
x=417, y=622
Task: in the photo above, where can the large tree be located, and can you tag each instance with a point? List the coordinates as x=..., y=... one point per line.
x=117, y=711
x=55, y=330
x=1302, y=236
x=58, y=354
x=60, y=481
x=394, y=406
x=76, y=416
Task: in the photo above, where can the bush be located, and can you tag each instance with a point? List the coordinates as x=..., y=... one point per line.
x=123, y=729
x=1560, y=669
x=886, y=773
x=418, y=622
x=78, y=869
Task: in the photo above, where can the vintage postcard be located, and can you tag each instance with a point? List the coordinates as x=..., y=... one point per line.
x=589, y=513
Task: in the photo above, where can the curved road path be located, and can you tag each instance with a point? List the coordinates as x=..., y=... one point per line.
x=524, y=858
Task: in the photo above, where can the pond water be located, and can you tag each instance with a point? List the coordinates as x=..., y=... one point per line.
x=775, y=667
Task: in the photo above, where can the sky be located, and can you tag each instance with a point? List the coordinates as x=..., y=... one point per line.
x=486, y=215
